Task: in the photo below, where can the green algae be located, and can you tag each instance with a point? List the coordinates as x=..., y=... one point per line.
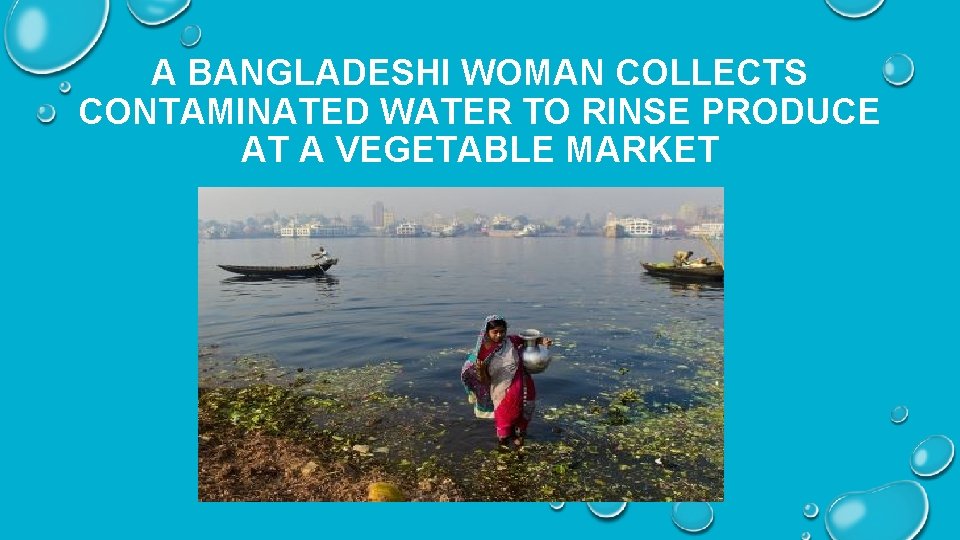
x=629, y=442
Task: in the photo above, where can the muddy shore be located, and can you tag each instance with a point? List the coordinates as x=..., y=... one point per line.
x=272, y=433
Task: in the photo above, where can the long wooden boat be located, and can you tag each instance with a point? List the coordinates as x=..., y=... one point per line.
x=322, y=265
x=695, y=272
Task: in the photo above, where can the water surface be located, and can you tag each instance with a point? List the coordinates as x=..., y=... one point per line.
x=420, y=301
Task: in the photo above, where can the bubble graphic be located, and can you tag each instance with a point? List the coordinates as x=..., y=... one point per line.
x=854, y=9
x=46, y=113
x=692, y=516
x=810, y=510
x=557, y=505
x=898, y=69
x=190, y=36
x=899, y=414
x=805, y=536
x=607, y=510
x=896, y=511
x=154, y=12
x=65, y=87
x=46, y=36
x=932, y=456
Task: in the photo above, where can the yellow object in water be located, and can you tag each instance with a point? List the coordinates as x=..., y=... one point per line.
x=384, y=492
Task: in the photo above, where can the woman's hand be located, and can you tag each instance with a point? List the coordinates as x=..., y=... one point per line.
x=546, y=341
x=483, y=373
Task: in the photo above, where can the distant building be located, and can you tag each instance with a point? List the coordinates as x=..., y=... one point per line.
x=407, y=229
x=710, y=230
x=356, y=221
x=378, y=214
x=389, y=219
x=689, y=212
x=327, y=231
x=636, y=227
x=613, y=228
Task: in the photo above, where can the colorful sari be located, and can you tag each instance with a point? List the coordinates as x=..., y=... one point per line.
x=508, y=396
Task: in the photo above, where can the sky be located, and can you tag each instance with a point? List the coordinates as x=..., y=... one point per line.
x=226, y=204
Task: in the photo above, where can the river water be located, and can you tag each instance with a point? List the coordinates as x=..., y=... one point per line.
x=420, y=302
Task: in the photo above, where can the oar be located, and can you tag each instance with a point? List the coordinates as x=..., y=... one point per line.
x=716, y=255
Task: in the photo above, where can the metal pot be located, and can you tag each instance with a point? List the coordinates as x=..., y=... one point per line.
x=535, y=357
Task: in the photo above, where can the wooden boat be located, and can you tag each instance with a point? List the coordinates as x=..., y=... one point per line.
x=319, y=268
x=693, y=272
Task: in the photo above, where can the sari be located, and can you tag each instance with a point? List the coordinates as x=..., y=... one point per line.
x=508, y=394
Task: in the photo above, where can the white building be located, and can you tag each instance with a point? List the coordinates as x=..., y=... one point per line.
x=636, y=227
x=327, y=231
x=710, y=230
x=409, y=229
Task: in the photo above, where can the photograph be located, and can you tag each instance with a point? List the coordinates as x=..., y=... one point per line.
x=460, y=344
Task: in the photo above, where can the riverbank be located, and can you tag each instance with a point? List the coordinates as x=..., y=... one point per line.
x=271, y=433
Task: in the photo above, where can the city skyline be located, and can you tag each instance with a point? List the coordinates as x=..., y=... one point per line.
x=227, y=204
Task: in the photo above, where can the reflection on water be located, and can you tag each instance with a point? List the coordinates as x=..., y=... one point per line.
x=323, y=282
x=244, y=279
x=699, y=288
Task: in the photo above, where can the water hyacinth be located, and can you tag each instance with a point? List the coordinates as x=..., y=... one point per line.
x=601, y=448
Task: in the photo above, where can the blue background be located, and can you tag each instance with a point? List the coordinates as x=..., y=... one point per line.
x=101, y=330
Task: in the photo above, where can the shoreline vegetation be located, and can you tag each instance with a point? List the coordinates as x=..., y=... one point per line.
x=277, y=433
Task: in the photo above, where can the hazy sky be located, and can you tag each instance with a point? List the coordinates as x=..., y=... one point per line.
x=239, y=203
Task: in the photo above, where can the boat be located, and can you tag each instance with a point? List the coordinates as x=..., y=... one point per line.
x=527, y=231
x=320, y=267
x=691, y=272
x=500, y=226
x=451, y=231
x=501, y=233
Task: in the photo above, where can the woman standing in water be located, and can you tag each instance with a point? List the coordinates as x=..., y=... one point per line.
x=497, y=383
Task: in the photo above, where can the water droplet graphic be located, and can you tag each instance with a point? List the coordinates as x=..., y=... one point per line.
x=805, y=536
x=810, y=510
x=895, y=511
x=607, y=510
x=46, y=113
x=899, y=414
x=932, y=456
x=46, y=36
x=898, y=69
x=190, y=36
x=557, y=505
x=65, y=87
x=854, y=9
x=154, y=12
x=692, y=516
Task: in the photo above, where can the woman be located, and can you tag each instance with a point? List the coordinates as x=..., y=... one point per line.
x=496, y=382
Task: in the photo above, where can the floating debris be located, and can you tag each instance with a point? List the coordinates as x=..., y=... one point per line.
x=384, y=492
x=636, y=439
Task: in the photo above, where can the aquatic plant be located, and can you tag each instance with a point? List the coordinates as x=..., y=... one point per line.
x=632, y=441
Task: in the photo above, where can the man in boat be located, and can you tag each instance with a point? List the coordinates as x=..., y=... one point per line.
x=320, y=255
x=682, y=258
